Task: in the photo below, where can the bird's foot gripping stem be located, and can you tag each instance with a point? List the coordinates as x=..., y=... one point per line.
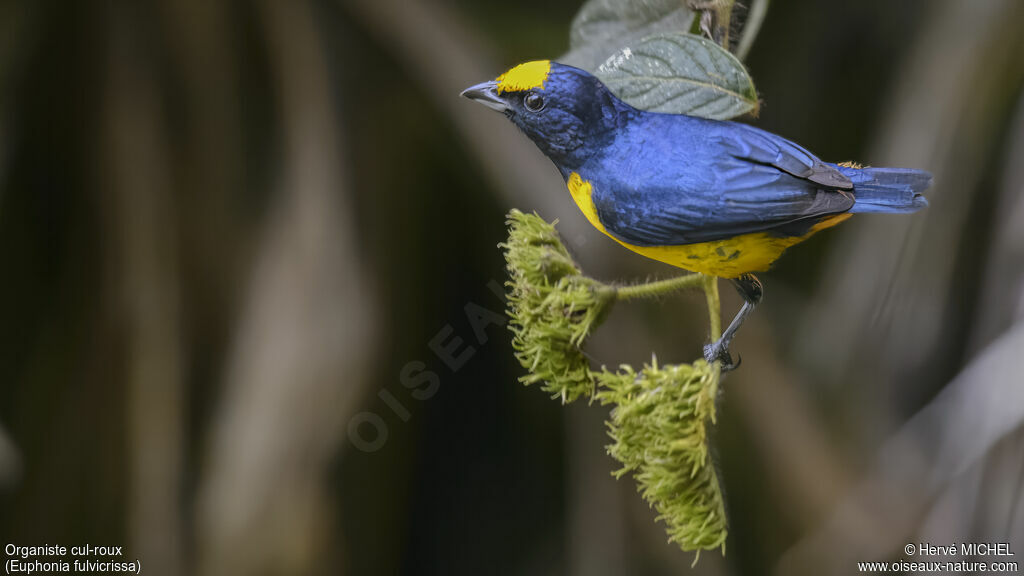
x=719, y=351
x=751, y=291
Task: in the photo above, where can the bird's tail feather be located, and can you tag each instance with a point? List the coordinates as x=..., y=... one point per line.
x=890, y=190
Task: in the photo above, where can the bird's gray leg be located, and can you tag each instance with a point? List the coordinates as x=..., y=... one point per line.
x=751, y=291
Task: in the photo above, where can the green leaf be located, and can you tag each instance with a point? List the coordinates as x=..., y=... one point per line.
x=602, y=25
x=680, y=74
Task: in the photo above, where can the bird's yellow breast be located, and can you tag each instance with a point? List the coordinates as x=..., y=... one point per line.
x=727, y=258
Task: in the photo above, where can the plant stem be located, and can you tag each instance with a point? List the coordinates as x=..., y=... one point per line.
x=755, y=17
x=724, y=18
x=715, y=320
x=658, y=287
x=714, y=306
x=714, y=19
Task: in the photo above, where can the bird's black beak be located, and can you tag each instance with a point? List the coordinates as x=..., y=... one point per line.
x=486, y=93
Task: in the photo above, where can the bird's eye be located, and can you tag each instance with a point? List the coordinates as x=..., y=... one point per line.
x=534, y=102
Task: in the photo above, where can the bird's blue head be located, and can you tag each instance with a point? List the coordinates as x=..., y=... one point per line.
x=567, y=112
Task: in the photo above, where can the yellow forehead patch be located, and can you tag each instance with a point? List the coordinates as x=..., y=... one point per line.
x=524, y=77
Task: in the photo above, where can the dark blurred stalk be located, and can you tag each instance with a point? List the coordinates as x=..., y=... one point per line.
x=1001, y=298
x=15, y=23
x=142, y=218
x=215, y=204
x=305, y=337
x=13, y=26
x=10, y=461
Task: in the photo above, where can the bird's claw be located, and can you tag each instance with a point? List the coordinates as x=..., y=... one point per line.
x=719, y=351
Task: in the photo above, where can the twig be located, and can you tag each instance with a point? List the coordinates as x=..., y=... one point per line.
x=714, y=306
x=755, y=17
x=715, y=17
x=658, y=288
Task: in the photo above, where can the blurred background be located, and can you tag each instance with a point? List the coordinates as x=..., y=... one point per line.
x=244, y=245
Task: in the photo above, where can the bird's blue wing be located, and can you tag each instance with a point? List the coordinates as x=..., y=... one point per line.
x=755, y=145
x=736, y=180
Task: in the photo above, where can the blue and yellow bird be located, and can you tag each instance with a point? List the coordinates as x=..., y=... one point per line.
x=719, y=198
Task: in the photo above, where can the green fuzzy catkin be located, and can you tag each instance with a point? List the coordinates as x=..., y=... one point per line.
x=552, y=306
x=659, y=428
x=659, y=425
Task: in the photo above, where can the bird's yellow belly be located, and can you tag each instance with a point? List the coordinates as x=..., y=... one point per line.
x=727, y=258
